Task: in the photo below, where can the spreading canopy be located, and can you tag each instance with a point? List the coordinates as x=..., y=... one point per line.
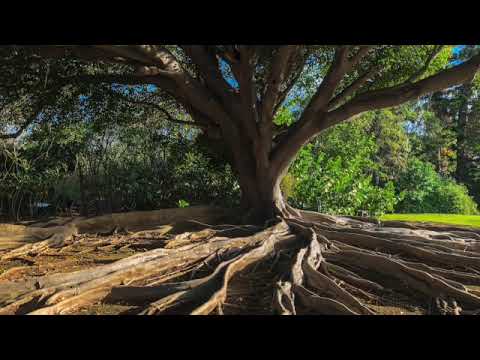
x=231, y=92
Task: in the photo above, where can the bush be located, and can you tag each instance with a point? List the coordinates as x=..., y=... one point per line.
x=425, y=191
x=453, y=198
x=339, y=185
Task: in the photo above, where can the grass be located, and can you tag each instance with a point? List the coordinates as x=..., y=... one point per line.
x=451, y=219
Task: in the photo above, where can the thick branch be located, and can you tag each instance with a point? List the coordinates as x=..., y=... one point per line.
x=397, y=95
x=279, y=71
x=208, y=65
x=339, y=68
x=127, y=52
x=283, y=94
x=335, y=74
x=244, y=73
x=362, y=52
x=162, y=57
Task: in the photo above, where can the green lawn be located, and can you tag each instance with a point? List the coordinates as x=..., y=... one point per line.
x=464, y=220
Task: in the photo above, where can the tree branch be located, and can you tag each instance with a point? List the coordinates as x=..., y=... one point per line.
x=244, y=72
x=362, y=52
x=162, y=57
x=430, y=59
x=29, y=121
x=209, y=68
x=283, y=95
x=169, y=117
x=353, y=87
x=278, y=73
x=301, y=132
x=397, y=95
x=92, y=79
x=127, y=52
x=338, y=68
x=184, y=88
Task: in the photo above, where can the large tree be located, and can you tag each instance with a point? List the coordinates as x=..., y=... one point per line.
x=233, y=94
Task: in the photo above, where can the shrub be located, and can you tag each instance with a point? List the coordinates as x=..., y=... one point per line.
x=339, y=185
x=425, y=191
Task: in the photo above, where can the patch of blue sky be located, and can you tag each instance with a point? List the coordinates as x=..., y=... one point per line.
x=134, y=89
x=10, y=129
x=457, y=50
x=228, y=74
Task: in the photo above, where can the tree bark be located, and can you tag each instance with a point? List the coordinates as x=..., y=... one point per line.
x=259, y=182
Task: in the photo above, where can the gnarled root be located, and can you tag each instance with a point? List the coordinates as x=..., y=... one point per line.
x=65, y=293
x=318, y=264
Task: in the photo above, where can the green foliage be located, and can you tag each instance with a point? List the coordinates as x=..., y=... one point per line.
x=183, y=204
x=454, y=198
x=334, y=174
x=288, y=186
x=392, y=141
x=370, y=164
x=433, y=142
x=425, y=191
x=114, y=166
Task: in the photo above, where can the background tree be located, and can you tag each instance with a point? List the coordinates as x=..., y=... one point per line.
x=458, y=111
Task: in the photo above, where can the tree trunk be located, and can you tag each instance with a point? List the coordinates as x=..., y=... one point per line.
x=83, y=198
x=268, y=204
x=259, y=174
x=462, y=154
x=260, y=186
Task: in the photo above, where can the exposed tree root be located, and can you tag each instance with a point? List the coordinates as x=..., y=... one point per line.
x=25, y=238
x=318, y=264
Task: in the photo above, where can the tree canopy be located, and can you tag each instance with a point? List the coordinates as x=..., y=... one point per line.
x=232, y=93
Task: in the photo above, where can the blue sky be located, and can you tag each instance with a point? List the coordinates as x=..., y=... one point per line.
x=227, y=74
x=458, y=49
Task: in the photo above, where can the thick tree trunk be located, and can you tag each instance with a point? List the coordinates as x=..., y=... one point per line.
x=261, y=194
x=268, y=204
x=258, y=174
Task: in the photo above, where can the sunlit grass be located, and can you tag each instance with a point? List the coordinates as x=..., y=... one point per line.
x=464, y=220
